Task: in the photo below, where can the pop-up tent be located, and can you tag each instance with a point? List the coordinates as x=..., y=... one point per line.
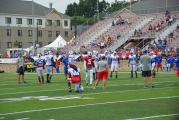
x=58, y=43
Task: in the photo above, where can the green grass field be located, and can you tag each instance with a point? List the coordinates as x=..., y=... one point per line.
x=123, y=99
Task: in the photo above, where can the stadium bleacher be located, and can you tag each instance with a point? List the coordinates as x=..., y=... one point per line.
x=143, y=14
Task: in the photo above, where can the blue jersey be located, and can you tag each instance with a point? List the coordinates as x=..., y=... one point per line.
x=177, y=62
x=158, y=60
x=65, y=61
x=170, y=60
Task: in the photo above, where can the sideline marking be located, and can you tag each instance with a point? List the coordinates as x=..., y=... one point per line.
x=156, y=116
x=104, y=103
x=117, y=91
x=43, y=98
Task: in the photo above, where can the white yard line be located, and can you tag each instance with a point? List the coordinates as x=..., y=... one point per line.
x=76, y=106
x=85, y=88
x=156, y=116
x=98, y=93
x=22, y=119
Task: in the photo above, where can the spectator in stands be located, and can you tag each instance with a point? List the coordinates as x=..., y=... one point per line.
x=177, y=28
x=167, y=13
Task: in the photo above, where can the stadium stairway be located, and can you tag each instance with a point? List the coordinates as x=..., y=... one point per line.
x=95, y=34
x=125, y=37
x=169, y=29
x=165, y=33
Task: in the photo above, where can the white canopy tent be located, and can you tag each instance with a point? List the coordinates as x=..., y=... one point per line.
x=58, y=43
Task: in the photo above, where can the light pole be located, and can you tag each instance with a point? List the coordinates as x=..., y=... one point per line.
x=130, y=5
x=37, y=35
x=166, y=3
x=33, y=23
x=97, y=10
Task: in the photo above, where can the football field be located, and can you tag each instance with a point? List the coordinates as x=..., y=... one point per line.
x=123, y=99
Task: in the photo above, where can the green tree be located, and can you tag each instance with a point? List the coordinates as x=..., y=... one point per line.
x=118, y=5
x=86, y=8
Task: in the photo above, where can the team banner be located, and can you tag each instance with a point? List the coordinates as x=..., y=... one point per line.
x=8, y=60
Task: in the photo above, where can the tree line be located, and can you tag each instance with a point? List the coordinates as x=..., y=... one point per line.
x=88, y=11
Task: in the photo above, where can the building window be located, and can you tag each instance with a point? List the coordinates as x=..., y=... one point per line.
x=65, y=23
x=9, y=44
x=18, y=20
x=30, y=33
x=49, y=33
x=20, y=45
x=39, y=21
x=66, y=33
x=19, y=32
x=29, y=21
x=57, y=33
x=57, y=22
x=8, y=20
x=49, y=22
x=8, y=32
x=40, y=33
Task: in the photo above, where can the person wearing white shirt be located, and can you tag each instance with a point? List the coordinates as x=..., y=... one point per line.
x=49, y=66
x=133, y=64
x=114, y=64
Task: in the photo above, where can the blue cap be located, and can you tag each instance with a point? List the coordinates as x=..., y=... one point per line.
x=145, y=51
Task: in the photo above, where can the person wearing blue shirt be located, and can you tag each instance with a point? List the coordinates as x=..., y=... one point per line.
x=159, y=62
x=177, y=64
x=170, y=62
x=65, y=63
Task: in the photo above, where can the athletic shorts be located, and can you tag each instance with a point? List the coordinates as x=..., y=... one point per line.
x=114, y=67
x=133, y=67
x=75, y=79
x=146, y=73
x=102, y=75
x=159, y=65
x=20, y=70
x=39, y=71
x=49, y=69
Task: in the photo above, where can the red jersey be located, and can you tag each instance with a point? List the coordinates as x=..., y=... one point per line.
x=89, y=62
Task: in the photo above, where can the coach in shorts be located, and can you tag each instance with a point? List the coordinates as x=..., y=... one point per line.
x=146, y=68
x=20, y=68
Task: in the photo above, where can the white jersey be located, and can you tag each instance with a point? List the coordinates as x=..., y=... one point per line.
x=73, y=72
x=114, y=59
x=132, y=59
x=153, y=61
x=39, y=62
x=48, y=59
x=71, y=59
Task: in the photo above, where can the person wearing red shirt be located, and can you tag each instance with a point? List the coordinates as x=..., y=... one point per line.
x=88, y=67
x=74, y=77
x=57, y=66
